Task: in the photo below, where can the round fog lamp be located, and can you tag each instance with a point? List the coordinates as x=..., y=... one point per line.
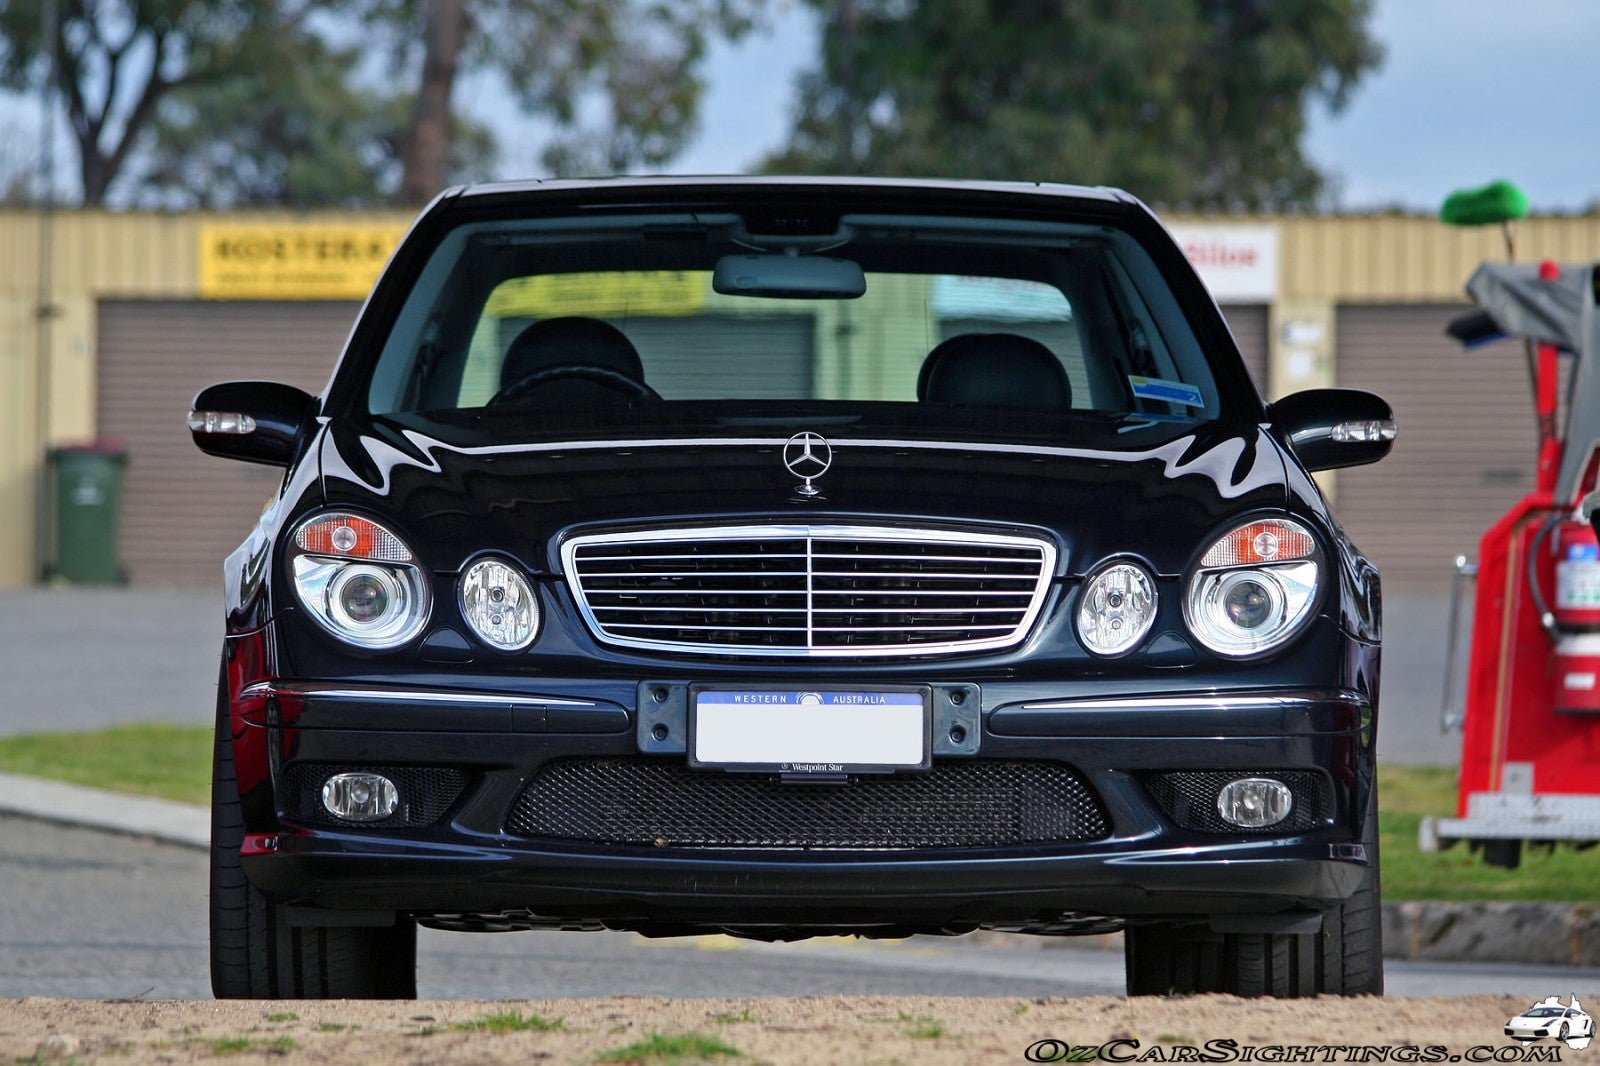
x=360, y=797
x=1254, y=802
x=1116, y=609
x=499, y=604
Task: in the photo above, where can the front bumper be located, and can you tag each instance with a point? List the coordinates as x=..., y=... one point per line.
x=466, y=863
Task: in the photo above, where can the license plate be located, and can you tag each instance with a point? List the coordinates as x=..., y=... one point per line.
x=821, y=730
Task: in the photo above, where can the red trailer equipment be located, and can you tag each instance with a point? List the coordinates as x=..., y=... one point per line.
x=1530, y=752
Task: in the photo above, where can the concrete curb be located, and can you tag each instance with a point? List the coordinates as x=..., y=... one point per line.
x=1534, y=934
x=1540, y=934
x=92, y=808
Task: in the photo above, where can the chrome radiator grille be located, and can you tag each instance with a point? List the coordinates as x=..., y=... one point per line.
x=809, y=591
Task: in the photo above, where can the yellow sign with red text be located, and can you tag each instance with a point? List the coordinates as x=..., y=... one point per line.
x=292, y=260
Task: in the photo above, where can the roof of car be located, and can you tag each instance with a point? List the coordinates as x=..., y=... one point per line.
x=748, y=182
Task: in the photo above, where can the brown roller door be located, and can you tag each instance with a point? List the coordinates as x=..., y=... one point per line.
x=183, y=511
x=1249, y=325
x=1466, y=447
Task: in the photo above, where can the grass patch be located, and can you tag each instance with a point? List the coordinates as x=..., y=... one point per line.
x=926, y=1030
x=672, y=1048
x=1406, y=794
x=283, y=1016
x=238, y=1045
x=511, y=1021
x=148, y=759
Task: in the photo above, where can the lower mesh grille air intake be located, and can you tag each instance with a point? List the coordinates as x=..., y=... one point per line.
x=1189, y=799
x=662, y=802
x=426, y=792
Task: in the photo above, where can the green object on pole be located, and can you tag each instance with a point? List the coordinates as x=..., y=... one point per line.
x=88, y=500
x=1498, y=201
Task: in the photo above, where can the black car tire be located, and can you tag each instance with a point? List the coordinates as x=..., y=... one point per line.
x=1345, y=959
x=255, y=953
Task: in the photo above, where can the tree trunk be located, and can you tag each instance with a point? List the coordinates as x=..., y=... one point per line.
x=426, y=143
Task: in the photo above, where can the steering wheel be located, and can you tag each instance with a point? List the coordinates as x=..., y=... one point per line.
x=632, y=388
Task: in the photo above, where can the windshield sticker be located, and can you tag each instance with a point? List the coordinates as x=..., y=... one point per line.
x=1171, y=391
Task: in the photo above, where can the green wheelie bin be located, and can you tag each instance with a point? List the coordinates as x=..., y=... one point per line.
x=88, y=497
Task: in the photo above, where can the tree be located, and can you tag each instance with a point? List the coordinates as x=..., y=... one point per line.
x=1194, y=103
x=118, y=60
x=619, y=79
x=291, y=134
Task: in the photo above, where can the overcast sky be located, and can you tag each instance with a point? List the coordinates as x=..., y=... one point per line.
x=1470, y=91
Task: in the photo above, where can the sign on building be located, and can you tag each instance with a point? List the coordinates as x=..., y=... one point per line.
x=292, y=260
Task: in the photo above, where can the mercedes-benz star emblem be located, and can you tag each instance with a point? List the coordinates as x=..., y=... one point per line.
x=808, y=456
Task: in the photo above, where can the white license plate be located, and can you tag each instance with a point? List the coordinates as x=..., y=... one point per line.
x=810, y=731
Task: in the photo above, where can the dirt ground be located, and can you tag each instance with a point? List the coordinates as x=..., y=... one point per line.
x=817, y=1030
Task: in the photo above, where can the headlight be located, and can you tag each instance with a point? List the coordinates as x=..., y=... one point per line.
x=1117, y=608
x=358, y=580
x=499, y=605
x=1254, y=588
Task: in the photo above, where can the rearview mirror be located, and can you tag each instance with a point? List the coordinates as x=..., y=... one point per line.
x=792, y=277
x=254, y=421
x=1331, y=428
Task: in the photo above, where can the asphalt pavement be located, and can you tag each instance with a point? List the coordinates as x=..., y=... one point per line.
x=82, y=658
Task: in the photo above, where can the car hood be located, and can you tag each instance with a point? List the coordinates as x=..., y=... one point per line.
x=1162, y=504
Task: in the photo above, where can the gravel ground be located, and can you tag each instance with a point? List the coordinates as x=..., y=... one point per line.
x=803, y=1031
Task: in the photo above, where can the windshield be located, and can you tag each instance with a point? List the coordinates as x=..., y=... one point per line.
x=661, y=324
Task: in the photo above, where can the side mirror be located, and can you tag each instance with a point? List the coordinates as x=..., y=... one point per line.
x=1330, y=428
x=256, y=421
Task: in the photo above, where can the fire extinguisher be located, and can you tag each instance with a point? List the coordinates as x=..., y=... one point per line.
x=1573, y=618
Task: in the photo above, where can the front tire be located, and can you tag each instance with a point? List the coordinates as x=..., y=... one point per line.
x=255, y=953
x=1344, y=959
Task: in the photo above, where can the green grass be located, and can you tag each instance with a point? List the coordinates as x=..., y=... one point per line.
x=237, y=1045
x=1406, y=793
x=174, y=762
x=169, y=761
x=511, y=1021
x=672, y=1048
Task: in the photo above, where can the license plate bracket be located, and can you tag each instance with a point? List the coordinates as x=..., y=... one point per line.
x=813, y=729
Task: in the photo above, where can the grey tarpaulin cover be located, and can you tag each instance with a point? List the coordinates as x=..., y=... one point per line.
x=1560, y=312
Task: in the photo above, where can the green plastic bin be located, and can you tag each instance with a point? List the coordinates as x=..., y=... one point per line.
x=88, y=499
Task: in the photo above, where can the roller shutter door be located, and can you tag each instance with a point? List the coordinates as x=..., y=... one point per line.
x=760, y=357
x=1249, y=325
x=751, y=357
x=1466, y=447
x=183, y=511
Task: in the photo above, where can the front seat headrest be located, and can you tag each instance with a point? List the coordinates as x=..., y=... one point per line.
x=994, y=370
x=568, y=342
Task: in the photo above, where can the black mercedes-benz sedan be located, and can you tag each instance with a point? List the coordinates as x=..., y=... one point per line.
x=788, y=557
